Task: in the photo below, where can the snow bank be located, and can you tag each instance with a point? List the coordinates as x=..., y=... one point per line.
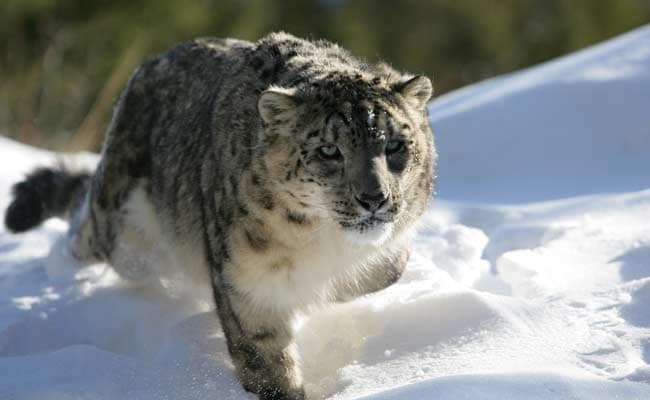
x=544, y=300
x=514, y=387
x=574, y=126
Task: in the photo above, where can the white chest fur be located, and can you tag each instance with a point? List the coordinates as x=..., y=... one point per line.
x=298, y=267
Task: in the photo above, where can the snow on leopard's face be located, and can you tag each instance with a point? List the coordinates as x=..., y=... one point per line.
x=368, y=164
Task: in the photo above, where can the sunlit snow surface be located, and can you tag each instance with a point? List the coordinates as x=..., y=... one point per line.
x=527, y=297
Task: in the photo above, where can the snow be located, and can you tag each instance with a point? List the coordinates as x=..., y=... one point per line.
x=529, y=279
x=575, y=126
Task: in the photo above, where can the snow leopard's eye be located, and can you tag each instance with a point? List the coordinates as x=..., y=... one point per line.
x=394, y=146
x=330, y=152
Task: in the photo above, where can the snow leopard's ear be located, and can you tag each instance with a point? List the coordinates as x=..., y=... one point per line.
x=417, y=91
x=276, y=103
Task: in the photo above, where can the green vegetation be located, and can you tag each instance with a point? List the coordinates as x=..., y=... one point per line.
x=63, y=63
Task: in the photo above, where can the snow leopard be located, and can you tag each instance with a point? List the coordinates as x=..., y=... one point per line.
x=290, y=170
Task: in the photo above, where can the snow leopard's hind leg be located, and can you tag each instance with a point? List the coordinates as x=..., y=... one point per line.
x=94, y=204
x=99, y=222
x=101, y=228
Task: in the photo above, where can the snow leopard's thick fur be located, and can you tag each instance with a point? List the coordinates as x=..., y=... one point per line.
x=289, y=169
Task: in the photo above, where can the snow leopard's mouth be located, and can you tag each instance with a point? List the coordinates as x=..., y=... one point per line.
x=367, y=223
x=373, y=230
x=375, y=220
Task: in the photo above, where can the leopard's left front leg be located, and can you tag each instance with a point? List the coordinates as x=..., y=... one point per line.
x=377, y=276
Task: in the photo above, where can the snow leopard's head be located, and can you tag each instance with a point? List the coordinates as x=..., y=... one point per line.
x=355, y=148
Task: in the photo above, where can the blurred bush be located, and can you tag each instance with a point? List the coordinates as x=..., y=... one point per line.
x=63, y=63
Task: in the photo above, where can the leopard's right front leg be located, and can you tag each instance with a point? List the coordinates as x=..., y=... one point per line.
x=259, y=336
x=261, y=346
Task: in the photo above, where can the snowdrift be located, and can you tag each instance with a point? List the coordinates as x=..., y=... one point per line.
x=577, y=125
x=530, y=276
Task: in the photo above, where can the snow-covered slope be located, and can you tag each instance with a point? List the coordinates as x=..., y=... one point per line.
x=574, y=126
x=543, y=300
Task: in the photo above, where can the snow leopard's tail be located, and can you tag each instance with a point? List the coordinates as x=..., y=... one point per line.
x=45, y=193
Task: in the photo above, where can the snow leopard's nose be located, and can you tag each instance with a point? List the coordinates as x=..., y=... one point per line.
x=372, y=201
x=369, y=187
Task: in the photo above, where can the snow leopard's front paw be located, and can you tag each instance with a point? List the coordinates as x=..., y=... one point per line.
x=271, y=378
x=270, y=392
